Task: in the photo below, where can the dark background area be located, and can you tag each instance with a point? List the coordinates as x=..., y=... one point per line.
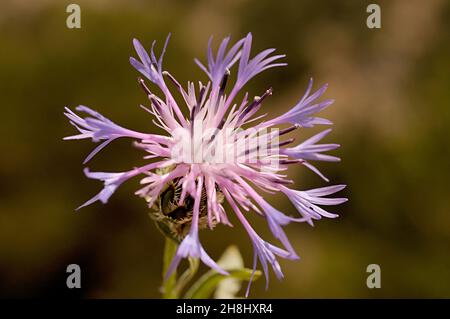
x=391, y=117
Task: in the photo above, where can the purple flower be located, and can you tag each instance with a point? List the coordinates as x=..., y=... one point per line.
x=309, y=150
x=210, y=151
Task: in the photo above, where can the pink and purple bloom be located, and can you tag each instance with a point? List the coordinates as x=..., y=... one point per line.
x=216, y=146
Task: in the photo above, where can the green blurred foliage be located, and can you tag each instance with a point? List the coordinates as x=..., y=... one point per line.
x=391, y=117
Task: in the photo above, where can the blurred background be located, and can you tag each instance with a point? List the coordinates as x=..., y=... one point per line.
x=391, y=115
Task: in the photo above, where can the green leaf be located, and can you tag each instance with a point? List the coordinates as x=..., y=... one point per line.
x=227, y=286
x=204, y=287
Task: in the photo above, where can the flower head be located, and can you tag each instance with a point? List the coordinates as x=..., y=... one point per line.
x=210, y=152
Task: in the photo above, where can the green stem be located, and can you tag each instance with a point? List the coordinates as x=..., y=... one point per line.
x=171, y=287
x=169, y=284
x=186, y=276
